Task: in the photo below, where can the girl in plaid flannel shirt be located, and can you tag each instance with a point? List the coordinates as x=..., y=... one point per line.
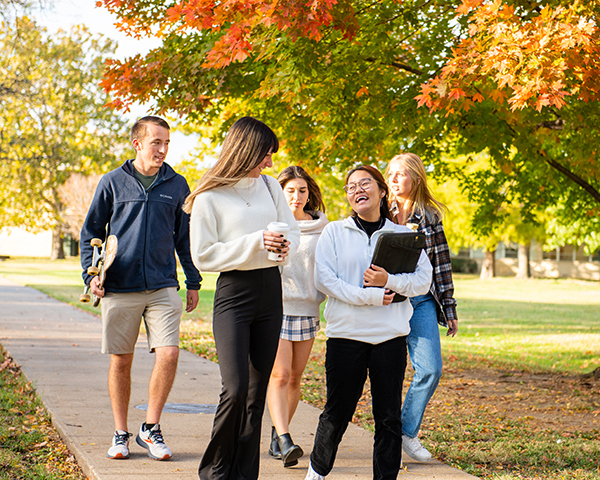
x=413, y=205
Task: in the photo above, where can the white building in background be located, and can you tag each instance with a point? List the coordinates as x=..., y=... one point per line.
x=568, y=261
x=18, y=242
x=565, y=261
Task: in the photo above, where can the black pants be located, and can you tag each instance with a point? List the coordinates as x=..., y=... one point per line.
x=347, y=363
x=246, y=325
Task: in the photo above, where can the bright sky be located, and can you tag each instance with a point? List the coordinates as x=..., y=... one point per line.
x=64, y=13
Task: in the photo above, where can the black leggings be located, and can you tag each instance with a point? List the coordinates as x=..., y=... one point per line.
x=246, y=325
x=347, y=364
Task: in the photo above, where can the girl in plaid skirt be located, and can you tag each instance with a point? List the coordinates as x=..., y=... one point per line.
x=301, y=314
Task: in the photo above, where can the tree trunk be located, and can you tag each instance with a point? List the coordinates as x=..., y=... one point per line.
x=524, y=270
x=488, y=268
x=58, y=251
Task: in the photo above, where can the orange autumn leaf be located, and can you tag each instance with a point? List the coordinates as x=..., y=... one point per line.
x=534, y=62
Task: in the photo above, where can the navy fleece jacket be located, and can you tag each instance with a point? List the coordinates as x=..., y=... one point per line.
x=149, y=226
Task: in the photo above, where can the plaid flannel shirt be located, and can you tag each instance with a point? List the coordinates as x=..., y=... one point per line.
x=436, y=246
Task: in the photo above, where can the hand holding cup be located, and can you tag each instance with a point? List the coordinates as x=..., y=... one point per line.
x=275, y=241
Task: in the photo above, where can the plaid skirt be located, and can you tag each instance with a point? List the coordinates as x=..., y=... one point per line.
x=298, y=329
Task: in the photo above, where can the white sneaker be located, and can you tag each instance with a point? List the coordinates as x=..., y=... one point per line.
x=120, y=445
x=415, y=449
x=312, y=475
x=152, y=440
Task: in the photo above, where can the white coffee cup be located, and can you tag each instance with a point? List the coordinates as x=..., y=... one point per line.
x=277, y=227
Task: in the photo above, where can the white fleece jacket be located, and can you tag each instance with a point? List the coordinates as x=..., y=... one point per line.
x=226, y=234
x=343, y=254
x=300, y=296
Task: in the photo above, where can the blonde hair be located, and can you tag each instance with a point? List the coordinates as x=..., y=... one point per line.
x=421, y=199
x=246, y=145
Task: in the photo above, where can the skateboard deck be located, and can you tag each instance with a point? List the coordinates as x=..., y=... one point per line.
x=104, y=255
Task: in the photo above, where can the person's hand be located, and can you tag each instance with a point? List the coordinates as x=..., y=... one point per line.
x=192, y=300
x=388, y=297
x=276, y=243
x=375, y=276
x=95, y=287
x=452, y=327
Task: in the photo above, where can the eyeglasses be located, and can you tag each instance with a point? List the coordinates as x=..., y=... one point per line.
x=364, y=184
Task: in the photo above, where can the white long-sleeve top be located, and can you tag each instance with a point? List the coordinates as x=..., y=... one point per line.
x=343, y=254
x=227, y=234
x=300, y=296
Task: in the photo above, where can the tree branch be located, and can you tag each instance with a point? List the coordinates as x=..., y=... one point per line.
x=595, y=194
x=557, y=124
x=14, y=88
x=408, y=68
x=571, y=176
x=399, y=66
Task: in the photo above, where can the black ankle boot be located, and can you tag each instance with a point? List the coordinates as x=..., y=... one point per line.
x=290, y=453
x=274, y=450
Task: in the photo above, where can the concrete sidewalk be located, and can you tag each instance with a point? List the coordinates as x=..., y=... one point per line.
x=58, y=348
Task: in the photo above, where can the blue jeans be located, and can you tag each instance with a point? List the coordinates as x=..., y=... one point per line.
x=425, y=353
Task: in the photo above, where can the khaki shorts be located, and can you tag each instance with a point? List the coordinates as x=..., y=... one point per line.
x=122, y=315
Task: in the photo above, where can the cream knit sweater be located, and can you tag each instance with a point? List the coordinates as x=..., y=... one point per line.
x=300, y=296
x=227, y=234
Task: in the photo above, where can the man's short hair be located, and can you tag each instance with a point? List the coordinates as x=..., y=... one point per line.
x=139, y=130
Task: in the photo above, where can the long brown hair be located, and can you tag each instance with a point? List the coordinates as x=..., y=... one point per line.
x=421, y=200
x=246, y=145
x=315, y=198
x=384, y=208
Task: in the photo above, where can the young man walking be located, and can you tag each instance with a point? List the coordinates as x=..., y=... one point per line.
x=140, y=203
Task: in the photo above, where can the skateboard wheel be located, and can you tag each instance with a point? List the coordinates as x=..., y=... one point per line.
x=93, y=270
x=96, y=242
x=85, y=298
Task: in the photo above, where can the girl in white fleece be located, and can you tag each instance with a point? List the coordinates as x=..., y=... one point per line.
x=301, y=313
x=366, y=331
x=231, y=209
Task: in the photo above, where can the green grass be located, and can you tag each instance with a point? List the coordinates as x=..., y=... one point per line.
x=30, y=448
x=507, y=328
x=537, y=324
x=507, y=449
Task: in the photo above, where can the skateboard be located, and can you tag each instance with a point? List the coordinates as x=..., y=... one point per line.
x=104, y=254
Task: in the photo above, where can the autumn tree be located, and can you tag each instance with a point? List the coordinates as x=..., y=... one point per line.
x=531, y=72
x=358, y=81
x=9, y=8
x=52, y=123
x=334, y=79
x=76, y=196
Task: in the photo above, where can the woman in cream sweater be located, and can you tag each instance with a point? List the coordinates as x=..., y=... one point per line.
x=230, y=210
x=301, y=312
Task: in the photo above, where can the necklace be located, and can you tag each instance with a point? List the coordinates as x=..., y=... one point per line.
x=239, y=195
